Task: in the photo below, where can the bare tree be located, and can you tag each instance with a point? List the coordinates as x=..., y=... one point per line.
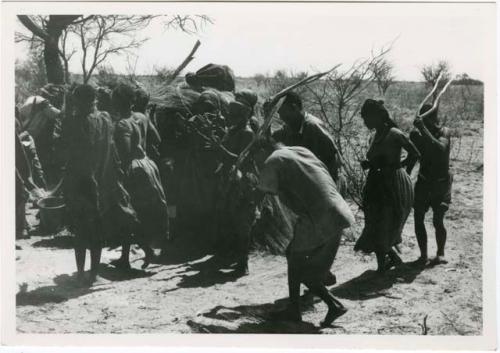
x=383, y=74
x=50, y=31
x=103, y=36
x=430, y=73
x=337, y=101
x=98, y=37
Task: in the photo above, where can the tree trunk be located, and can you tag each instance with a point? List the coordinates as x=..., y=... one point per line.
x=53, y=63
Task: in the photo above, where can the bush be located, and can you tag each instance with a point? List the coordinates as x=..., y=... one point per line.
x=30, y=75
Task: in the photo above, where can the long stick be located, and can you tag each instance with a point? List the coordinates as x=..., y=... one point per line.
x=274, y=102
x=436, y=102
x=185, y=63
x=430, y=93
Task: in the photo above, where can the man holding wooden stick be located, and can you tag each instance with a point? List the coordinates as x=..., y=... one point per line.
x=433, y=188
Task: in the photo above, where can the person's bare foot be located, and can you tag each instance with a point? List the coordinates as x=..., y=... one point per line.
x=422, y=261
x=439, y=260
x=120, y=264
x=333, y=313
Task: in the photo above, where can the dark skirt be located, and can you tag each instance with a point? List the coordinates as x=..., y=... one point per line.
x=387, y=202
x=148, y=199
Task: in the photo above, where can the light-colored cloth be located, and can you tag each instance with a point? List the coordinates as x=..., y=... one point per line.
x=36, y=115
x=303, y=183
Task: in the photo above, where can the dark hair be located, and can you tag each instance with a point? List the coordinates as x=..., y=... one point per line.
x=123, y=97
x=104, y=99
x=377, y=108
x=293, y=98
x=83, y=95
x=426, y=108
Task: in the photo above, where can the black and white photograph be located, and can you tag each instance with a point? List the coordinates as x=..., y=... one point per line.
x=250, y=168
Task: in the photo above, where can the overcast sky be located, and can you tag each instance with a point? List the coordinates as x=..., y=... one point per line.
x=262, y=38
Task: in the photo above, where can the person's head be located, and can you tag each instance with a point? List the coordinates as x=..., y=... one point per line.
x=207, y=103
x=54, y=93
x=263, y=148
x=104, y=99
x=291, y=111
x=122, y=98
x=83, y=97
x=141, y=100
x=241, y=109
x=431, y=121
x=375, y=116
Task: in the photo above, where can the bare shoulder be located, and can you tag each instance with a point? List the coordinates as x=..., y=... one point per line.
x=397, y=134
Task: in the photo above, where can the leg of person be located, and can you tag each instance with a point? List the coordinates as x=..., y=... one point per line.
x=394, y=259
x=292, y=311
x=80, y=253
x=318, y=263
x=123, y=261
x=148, y=252
x=438, y=220
x=335, y=307
x=95, y=249
x=95, y=261
x=421, y=234
x=244, y=231
x=21, y=232
x=330, y=252
x=381, y=265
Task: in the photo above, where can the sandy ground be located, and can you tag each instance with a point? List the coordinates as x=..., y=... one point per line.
x=189, y=295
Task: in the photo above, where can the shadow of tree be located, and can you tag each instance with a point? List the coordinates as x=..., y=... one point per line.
x=370, y=284
x=66, y=287
x=60, y=242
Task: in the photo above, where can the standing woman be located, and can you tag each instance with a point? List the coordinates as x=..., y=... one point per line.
x=142, y=179
x=388, y=193
x=98, y=205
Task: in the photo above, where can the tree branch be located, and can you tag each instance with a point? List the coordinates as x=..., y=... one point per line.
x=34, y=28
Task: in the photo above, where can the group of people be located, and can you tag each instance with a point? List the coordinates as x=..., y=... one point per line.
x=114, y=188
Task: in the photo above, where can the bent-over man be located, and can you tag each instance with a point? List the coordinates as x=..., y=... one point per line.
x=303, y=183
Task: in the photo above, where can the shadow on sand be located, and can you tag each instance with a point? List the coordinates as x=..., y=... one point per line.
x=370, y=284
x=214, y=270
x=249, y=319
x=66, y=287
x=58, y=242
x=257, y=318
